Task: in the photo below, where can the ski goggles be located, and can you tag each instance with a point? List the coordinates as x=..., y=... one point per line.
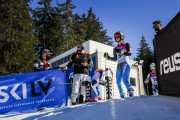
x=117, y=36
x=153, y=68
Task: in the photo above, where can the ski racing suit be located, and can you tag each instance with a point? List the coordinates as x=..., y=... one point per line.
x=80, y=74
x=121, y=54
x=98, y=78
x=153, y=77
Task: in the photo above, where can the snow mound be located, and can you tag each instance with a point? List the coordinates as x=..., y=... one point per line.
x=136, y=108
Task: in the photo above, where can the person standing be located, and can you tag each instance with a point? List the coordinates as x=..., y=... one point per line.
x=121, y=54
x=152, y=76
x=82, y=63
x=157, y=26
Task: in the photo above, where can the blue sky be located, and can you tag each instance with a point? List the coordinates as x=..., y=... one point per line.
x=133, y=17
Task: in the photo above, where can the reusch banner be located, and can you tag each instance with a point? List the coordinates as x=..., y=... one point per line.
x=31, y=91
x=168, y=58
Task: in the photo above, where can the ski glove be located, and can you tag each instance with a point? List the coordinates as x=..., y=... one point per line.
x=146, y=81
x=106, y=55
x=101, y=82
x=121, y=52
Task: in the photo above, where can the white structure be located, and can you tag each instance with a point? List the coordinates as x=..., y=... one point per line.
x=97, y=49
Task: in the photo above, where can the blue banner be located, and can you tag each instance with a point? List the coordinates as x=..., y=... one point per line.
x=31, y=91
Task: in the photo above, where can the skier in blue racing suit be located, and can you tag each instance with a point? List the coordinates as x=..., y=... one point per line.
x=98, y=79
x=121, y=54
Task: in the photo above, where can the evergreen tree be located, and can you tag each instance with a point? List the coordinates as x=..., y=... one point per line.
x=79, y=28
x=16, y=37
x=42, y=17
x=68, y=36
x=49, y=25
x=145, y=53
x=95, y=30
x=56, y=37
x=59, y=29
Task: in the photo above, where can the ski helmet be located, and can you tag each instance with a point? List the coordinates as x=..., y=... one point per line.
x=152, y=66
x=119, y=35
x=47, y=52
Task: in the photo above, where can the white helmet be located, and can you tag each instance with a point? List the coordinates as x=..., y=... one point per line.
x=152, y=66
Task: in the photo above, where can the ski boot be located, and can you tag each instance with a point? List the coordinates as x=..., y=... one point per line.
x=155, y=91
x=73, y=103
x=122, y=96
x=131, y=92
x=91, y=100
x=81, y=101
x=99, y=98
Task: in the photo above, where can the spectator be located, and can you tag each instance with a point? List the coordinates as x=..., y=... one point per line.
x=42, y=62
x=82, y=63
x=157, y=26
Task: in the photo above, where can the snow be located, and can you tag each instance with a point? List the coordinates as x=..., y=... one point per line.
x=136, y=108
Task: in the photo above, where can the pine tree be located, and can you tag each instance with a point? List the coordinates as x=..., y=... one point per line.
x=68, y=36
x=145, y=53
x=95, y=30
x=60, y=30
x=56, y=44
x=16, y=37
x=79, y=28
x=42, y=17
x=49, y=25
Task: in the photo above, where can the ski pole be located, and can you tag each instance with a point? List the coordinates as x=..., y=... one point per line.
x=147, y=89
x=112, y=82
x=106, y=84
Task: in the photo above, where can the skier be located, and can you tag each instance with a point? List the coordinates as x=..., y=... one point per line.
x=42, y=62
x=153, y=77
x=121, y=53
x=98, y=79
x=82, y=63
